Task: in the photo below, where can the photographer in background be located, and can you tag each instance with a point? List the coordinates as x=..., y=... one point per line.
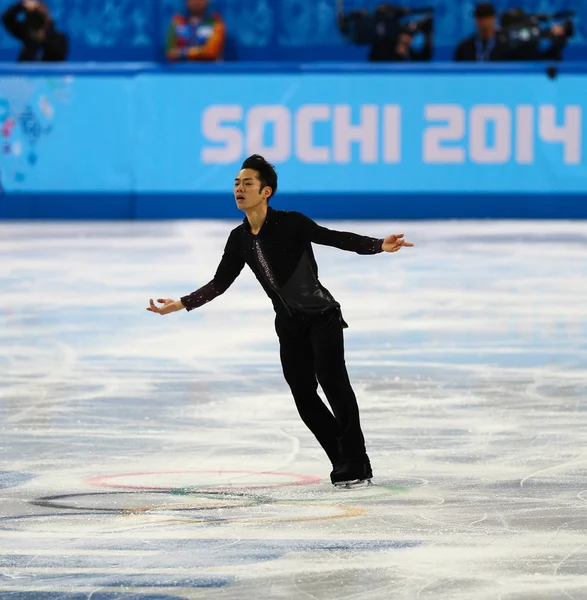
x=527, y=40
x=401, y=49
x=486, y=44
x=519, y=37
x=31, y=23
x=390, y=30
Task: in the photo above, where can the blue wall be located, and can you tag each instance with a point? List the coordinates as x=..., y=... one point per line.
x=283, y=30
x=435, y=141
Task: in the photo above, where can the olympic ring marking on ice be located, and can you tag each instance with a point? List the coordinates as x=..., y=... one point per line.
x=48, y=502
x=52, y=502
x=101, y=480
x=347, y=512
x=246, y=500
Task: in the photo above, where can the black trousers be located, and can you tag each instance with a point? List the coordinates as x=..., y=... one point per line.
x=312, y=353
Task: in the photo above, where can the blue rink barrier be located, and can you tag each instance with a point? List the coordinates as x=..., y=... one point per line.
x=349, y=141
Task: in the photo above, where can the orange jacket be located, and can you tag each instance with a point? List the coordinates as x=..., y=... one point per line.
x=200, y=41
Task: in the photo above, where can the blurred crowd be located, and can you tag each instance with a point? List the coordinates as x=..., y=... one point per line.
x=403, y=34
x=488, y=43
x=198, y=34
x=194, y=34
x=31, y=23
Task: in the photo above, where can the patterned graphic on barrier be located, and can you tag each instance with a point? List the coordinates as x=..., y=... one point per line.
x=328, y=133
x=28, y=108
x=302, y=24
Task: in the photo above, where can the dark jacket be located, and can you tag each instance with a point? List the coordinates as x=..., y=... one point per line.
x=202, y=41
x=383, y=51
x=473, y=49
x=281, y=258
x=53, y=48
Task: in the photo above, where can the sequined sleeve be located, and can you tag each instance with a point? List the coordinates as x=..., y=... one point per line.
x=200, y=297
x=228, y=270
x=353, y=242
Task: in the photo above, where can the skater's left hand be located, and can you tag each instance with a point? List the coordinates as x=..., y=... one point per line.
x=392, y=243
x=169, y=306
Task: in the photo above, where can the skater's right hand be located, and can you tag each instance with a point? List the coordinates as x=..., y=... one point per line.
x=169, y=306
x=392, y=243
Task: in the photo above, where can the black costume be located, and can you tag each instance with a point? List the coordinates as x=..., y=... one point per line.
x=475, y=49
x=53, y=48
x=308, y=323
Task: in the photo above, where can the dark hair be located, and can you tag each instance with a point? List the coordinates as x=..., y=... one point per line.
x=267, y=174
x=484, y=9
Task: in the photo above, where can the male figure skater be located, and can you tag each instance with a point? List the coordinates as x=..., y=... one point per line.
x=277, y=247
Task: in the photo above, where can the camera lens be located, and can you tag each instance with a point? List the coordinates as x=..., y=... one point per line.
x=35, y=20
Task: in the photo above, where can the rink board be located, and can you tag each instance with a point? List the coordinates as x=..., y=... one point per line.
x=347, y=142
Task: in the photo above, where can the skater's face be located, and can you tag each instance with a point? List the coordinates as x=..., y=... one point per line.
x=249, y=191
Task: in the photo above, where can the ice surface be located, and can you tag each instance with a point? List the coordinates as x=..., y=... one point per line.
x=162, y=457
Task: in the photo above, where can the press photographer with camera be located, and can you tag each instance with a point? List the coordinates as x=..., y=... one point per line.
x=390, y=31
x=31, y=23
x=401, y=48
x=532, y=37
x=485, y=45
x=519, y=37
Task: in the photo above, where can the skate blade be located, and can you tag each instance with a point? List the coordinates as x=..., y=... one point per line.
x=353, y=484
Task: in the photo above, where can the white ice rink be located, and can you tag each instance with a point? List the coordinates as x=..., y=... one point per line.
x=148, y=457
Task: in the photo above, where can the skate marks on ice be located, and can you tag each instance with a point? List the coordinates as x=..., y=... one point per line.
x=221, y=523
x=138, y=536
x=148, y=457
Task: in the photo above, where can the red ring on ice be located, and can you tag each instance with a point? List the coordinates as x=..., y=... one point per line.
x=103, y=480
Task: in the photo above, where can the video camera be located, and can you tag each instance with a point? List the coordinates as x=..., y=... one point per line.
x=522, y=32
x=386, y=22
x=35, y=20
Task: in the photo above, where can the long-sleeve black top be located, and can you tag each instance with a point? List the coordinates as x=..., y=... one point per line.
x=281, y=258
x=53, y=48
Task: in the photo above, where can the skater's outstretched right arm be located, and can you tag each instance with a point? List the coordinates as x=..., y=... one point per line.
x=353, y=242
x=228, y=270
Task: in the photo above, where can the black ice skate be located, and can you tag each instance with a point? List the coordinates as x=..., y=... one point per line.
x=352, y=474
x=353, y=484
